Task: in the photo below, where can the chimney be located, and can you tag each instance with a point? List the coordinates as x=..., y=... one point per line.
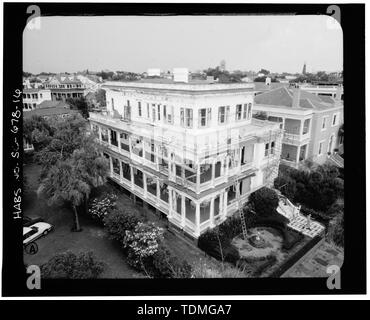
x=296, y=97
x=180, y=75
x=338, y=94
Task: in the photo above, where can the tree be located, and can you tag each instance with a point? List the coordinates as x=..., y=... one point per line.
x=118, y=222
x=68, y=265
x=264, y=71
x=37, y=131
x=90, y=165
x=63, y=184
x=336, y=230
x=264, y=201
x=79, y=104
x=64, y=136
x=101, y=97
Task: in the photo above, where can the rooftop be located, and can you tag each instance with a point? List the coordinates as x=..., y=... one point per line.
x=193, y=86
x=50, y=108
x=283, y=97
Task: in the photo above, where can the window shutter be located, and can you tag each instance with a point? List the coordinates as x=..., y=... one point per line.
x=219, y=114
x=199, y=118
x=172, y=115
x=182, y=116
x=227, y=114
x=191, y=118
x=209, y=116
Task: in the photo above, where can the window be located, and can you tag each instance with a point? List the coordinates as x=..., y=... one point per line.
x=186, y=115
x=320, y=147
x=272, y=149
x=269, y=148
x=238, y=113
x=323, y=126
x=204, y=117
x=40, y=95
x=335, y=119
x=306, y=126
x=221, y=114
x=139, y=108
x=159, y=112
x=112, y=103
x=113, y=138
x=170, y=116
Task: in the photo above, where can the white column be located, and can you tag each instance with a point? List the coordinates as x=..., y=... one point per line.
x=224, y=213
x=119, y=140
x=100, y=139
x=158, y=191
x=111, y=165
x=298, y=152
x=129, y=144
x=120, y=170
x=197, y=220
x=213, y=173
x=170, y=202
x=132, y=177
x=144, y=184
x=301, y=128
x=198, y=178
x=211, y=212
x=183, y=213
x=109, y=138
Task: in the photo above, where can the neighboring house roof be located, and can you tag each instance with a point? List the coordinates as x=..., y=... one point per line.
x=284, y=97
x=65, y=79
x=48, y=112
x=261, y=86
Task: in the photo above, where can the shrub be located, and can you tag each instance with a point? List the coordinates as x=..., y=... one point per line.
x=117, y=223
x=69, y=265
x=166, y=265
x=99, y=208
x=203, y=269
x=291, y=238
x=264, y=201
x=230, y=228
x=218, y=246
x=286, y=185
x=141, y=243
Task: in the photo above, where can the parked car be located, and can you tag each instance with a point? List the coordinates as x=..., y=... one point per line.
x=29, y=221
x=36, y=231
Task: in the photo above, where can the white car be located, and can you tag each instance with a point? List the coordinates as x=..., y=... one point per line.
x=35, y=231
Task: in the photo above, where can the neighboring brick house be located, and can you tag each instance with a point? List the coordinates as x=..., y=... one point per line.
x=311, y=123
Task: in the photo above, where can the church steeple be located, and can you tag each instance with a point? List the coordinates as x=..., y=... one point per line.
x=304, y=68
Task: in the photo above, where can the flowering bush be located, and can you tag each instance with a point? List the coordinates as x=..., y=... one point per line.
x=142, y=242
x=99, y=208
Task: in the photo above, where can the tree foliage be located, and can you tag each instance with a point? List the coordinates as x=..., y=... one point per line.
x=318, y=188
x=264, y=201
x=69, y=265
x=79, y=104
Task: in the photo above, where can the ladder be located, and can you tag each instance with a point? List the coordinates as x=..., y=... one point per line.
x=240, y=208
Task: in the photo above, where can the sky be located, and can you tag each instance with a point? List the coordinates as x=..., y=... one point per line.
x=136, y=43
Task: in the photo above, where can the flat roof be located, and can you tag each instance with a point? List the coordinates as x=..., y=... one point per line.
x=192, y=87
